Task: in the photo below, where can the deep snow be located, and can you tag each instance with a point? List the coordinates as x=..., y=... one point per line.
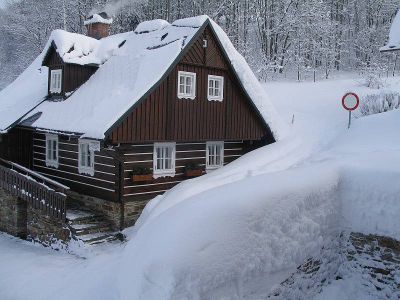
x=240, y=230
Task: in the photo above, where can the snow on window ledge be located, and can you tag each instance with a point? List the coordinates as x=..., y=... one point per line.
x=187, y=97
x=219, y=99
x=86, y=170
x=157, y=175
x=52, y=163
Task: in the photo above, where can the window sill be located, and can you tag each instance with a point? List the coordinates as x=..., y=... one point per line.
x=163, y=174
x=190, y=97
x=215, y=99
x=212, y=168
x=52, y=164
x=86, y=171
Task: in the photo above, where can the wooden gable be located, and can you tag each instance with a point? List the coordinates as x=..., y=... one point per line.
x=164, y=117
x=52, y=58
x=205, y=51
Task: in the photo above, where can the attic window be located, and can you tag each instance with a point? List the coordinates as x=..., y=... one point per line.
x=55, y=81
x=215, y=88
x=186, y=85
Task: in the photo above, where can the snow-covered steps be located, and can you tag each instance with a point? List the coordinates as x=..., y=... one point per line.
x=97, y=238
x=89, y=227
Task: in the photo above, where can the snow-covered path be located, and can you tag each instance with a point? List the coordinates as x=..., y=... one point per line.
x=236, y=232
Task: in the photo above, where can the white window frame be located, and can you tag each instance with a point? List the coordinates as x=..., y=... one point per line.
x=186, y=95
x=212, y=166
x=164, y=172
x=85, y=167
x=52, y=161
x=215, y=78
x=55, y=81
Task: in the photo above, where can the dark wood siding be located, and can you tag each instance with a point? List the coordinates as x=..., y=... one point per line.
x=16, y=146
x=75, y=76
x=52, y=58
x=142, y=155
x=164, y=117
x=102, y=185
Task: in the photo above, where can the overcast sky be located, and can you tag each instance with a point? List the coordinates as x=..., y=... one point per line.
x=2, y=3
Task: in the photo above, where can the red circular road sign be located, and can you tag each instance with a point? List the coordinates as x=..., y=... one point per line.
x=350, y=101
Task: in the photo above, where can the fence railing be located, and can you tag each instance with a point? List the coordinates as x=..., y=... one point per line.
x=49, y=197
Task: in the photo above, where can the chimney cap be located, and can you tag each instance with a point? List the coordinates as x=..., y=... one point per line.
x=101, y=18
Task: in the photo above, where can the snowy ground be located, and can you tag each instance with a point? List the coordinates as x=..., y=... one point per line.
x=239, y=232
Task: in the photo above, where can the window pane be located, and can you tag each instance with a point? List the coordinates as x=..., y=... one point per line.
x=188, y=81
x=82, y=148
x=168, y=165
x=88, y=157
x=48, y=149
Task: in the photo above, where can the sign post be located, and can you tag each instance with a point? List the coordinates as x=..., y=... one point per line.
x=350, y=102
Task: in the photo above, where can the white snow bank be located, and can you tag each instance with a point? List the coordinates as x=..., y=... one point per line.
x=369, y=153
x=250, y=222
x=152, y=25
x=394, y=35
x=96, y=18
x=227, y=235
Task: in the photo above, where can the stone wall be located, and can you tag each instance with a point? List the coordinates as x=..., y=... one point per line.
x=110, y=210
x=13, y=214
x=46, y=230
x=132, y=212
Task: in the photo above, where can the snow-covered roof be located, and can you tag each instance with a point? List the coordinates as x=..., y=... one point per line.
x=80, y=49
x=149, y=26
x=126, y=75
x=394, y=35
x=96, y=18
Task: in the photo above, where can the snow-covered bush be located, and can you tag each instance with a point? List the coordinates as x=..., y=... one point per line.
x=373, y=81
x=379, y=103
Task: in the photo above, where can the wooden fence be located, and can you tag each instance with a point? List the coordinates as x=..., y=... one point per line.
x=49, y=197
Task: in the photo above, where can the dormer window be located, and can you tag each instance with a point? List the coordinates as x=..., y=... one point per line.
x=55, y=81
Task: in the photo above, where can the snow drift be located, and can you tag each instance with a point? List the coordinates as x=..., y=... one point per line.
x=228, y=235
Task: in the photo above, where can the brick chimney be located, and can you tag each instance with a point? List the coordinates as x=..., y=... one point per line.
x=98, y=25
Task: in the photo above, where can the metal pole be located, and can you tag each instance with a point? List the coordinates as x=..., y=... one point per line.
x=349, y=120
